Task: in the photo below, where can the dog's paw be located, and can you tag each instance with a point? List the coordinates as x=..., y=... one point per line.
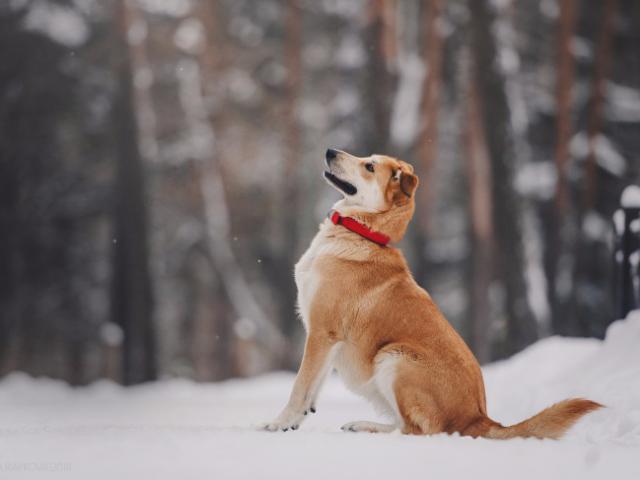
x=286, y=421
x=370, y=427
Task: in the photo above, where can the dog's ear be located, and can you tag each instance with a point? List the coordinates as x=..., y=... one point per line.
x=408, y=183
x=405, y=167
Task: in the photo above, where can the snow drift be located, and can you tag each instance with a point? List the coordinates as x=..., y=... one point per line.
x=181, y=429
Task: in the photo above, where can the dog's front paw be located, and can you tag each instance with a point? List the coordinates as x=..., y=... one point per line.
x=287, y=420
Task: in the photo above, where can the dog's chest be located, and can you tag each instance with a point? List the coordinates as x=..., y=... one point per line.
x=307, y=280
x=311, y=270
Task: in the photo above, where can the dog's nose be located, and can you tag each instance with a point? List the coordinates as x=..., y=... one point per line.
x=331, y=154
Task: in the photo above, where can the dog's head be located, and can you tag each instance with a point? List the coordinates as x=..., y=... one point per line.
x=374, y=184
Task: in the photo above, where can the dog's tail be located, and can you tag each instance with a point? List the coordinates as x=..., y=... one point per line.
x=552, y=422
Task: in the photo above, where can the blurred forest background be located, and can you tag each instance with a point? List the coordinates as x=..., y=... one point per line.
x=160, y=169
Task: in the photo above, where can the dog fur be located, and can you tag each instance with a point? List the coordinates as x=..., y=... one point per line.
x=366, y=317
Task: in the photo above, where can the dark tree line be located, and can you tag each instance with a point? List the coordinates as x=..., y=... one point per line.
x=160, y=169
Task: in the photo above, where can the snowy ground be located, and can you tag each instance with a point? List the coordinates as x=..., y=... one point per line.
x=179, y=429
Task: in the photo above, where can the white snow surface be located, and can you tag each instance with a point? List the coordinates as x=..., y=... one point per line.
x=181, y=429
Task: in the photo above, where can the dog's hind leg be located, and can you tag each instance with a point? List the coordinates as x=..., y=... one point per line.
x=417, y=407
x=400, y=381
x=371, y=427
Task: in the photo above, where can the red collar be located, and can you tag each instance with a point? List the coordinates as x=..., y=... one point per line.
x=357, y=227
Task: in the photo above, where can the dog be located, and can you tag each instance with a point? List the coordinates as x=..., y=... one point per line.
x=365, y=316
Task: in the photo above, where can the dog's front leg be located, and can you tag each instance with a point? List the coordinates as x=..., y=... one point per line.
x=316, y=363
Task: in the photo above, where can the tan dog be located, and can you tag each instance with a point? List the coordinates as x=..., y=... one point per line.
x=366, y=316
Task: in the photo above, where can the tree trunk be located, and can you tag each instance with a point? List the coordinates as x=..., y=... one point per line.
x=591, y=316
x=293, y=160
x=556, y=255
x=428, y=140
x=603, y=63
x=379, y=83
x=479, y=178
x=522, y=329
x=142, y=72
x=564, y=84
x=132, y=304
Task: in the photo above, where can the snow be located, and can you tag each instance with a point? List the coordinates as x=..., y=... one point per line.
x=174, y=8
x=595, y=227
x=406, y=105
x=550, y=9
x=534, y=273
x=111, y=334
x=242, y=87
x=62, y=24
x=582, y=48
x=623, y=103
x=314, y=114
x=347, y=10
x=631, y=197
x=618, y=221
x=607, y=155
x=137, y=32
x=350, y=53
x=181, y=429
x=190, y=36
x=537, y=179
x=248, y=32
x=345, y=102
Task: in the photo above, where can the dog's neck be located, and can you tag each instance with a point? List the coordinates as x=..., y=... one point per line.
x=392, y=223
x=359, y=228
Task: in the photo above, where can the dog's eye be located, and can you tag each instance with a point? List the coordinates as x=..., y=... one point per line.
x=369, y=166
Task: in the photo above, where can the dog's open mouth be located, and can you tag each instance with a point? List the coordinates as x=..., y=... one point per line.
x=346, y=187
